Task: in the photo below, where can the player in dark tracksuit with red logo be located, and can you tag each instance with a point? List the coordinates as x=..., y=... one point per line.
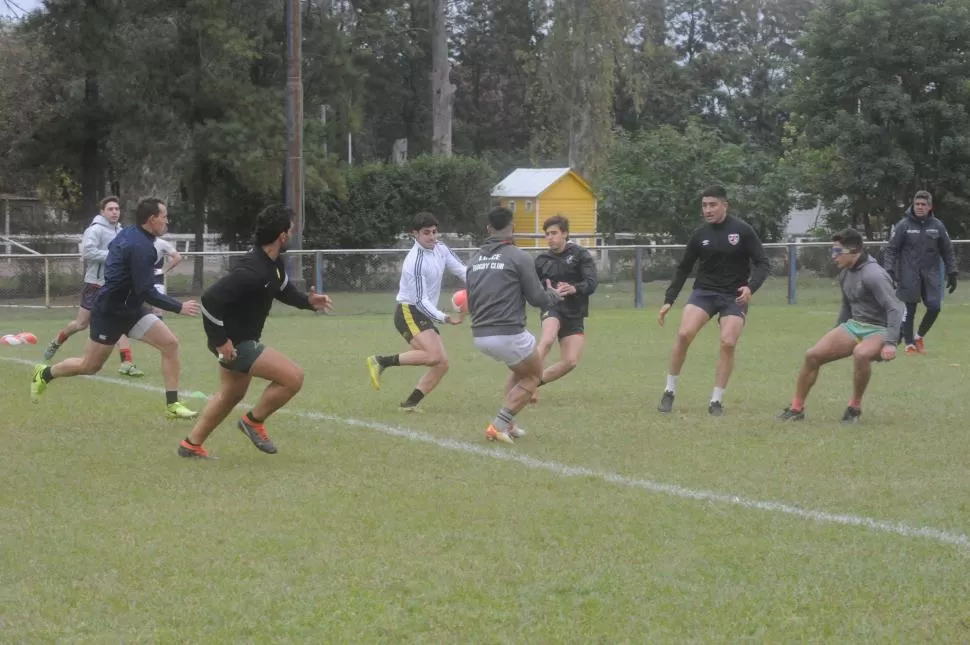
x=727, y=248
x=572, y=265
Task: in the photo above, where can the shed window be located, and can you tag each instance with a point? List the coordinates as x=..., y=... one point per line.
x=512, y=205
x=528, y=206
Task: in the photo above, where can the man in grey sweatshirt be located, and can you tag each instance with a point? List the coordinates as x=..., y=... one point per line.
x=867, y=329
x=501, y=279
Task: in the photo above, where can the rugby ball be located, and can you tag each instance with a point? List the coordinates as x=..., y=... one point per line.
x=460, y=301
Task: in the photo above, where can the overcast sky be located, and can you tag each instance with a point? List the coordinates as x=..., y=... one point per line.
x=14, y=8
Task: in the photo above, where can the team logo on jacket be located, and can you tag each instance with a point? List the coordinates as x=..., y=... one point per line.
x=733, y=239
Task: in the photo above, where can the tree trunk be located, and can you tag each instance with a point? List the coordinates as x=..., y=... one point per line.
x=91, y=171
x=442, y=90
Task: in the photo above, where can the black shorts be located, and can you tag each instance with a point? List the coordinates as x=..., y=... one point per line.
x=107, y=329
x=88, y=294
x=409, y=321
x=246, y=354
x=567, y=326
x=715, y=302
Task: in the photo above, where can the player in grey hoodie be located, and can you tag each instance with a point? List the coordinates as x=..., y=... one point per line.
x=867, y=328
x=94, y=251
x=501, y=279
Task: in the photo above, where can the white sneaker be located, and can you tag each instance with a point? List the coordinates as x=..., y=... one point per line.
x=516, y=432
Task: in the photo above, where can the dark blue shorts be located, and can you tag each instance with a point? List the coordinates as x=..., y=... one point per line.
x=715, y=302
x=88, y=295
x=107, y=329
x=567, y=326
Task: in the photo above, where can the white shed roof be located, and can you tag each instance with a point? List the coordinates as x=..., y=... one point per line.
x=528, y=182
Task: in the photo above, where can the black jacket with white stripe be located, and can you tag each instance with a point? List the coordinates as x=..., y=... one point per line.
x=235, y=308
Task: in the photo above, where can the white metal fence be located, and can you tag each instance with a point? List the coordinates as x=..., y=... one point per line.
x=365, y=280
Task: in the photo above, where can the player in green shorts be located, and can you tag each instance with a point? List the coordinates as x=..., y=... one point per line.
x=867, y=329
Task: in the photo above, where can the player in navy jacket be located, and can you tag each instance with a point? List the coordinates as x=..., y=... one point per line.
x=120, y=309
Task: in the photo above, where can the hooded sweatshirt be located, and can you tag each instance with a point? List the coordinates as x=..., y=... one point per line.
x=501, y=278
x=94, y=248
x=868, y=297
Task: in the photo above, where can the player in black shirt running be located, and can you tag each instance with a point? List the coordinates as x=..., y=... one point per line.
x=234, y=311
x=564, y=263
x=726, y=248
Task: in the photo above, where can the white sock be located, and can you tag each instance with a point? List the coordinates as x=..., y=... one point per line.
x=671, y=383
x=718, y=395
x=917, y=337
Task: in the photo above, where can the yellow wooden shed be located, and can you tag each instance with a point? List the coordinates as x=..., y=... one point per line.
x=535, y=194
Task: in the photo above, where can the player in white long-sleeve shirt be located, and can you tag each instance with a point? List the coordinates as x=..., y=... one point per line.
x=417, y=310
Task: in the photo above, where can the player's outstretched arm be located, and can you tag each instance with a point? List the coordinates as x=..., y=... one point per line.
x=881, y=286
x=143, y=281
x=535, y=293
x=683, y=271
x=293, y=297
x=454, y=263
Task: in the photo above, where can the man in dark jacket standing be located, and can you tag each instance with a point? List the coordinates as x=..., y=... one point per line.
x=912, y=258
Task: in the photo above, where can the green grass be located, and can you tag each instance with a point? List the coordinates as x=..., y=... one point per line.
x=351, y=534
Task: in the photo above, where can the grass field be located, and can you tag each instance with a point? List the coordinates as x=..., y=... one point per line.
x=609, y=523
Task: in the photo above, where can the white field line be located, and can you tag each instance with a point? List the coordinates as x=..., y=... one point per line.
x=563, y=470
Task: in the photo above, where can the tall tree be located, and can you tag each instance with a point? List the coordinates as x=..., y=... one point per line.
x=442, y=89
x=584, y=42
x=884, y=86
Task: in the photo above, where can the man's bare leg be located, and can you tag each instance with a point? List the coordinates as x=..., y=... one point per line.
x=525, y=379
x=80, y=322
x=835, y=345
x=232, y=389
x=570, y=353
x=731, y=328
x=691, y=322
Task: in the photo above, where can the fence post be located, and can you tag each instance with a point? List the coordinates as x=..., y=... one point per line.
x=47, y=282
x=792, y=272
x=318, y=270
x=638, y=278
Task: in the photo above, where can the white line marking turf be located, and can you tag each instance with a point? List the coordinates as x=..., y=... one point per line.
x=563, y=470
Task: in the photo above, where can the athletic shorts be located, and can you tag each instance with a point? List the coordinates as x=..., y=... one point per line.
x=860, y=330
x=715, y=302
x=567, y=326
x=246, y=354
x=107, y=329
x=511, y=349
x=88, y=295
x=409, y=321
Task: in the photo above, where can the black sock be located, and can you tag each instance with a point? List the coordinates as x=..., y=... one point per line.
x=171, y=396
x=189, y=441
x=415, y=398
x=928, y=319
x=907, y=327
x=46, y=375
x=389, y=361
x=249, y=415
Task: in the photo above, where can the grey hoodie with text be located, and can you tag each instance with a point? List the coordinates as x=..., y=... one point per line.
x=868, y=297
x=500, y=279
